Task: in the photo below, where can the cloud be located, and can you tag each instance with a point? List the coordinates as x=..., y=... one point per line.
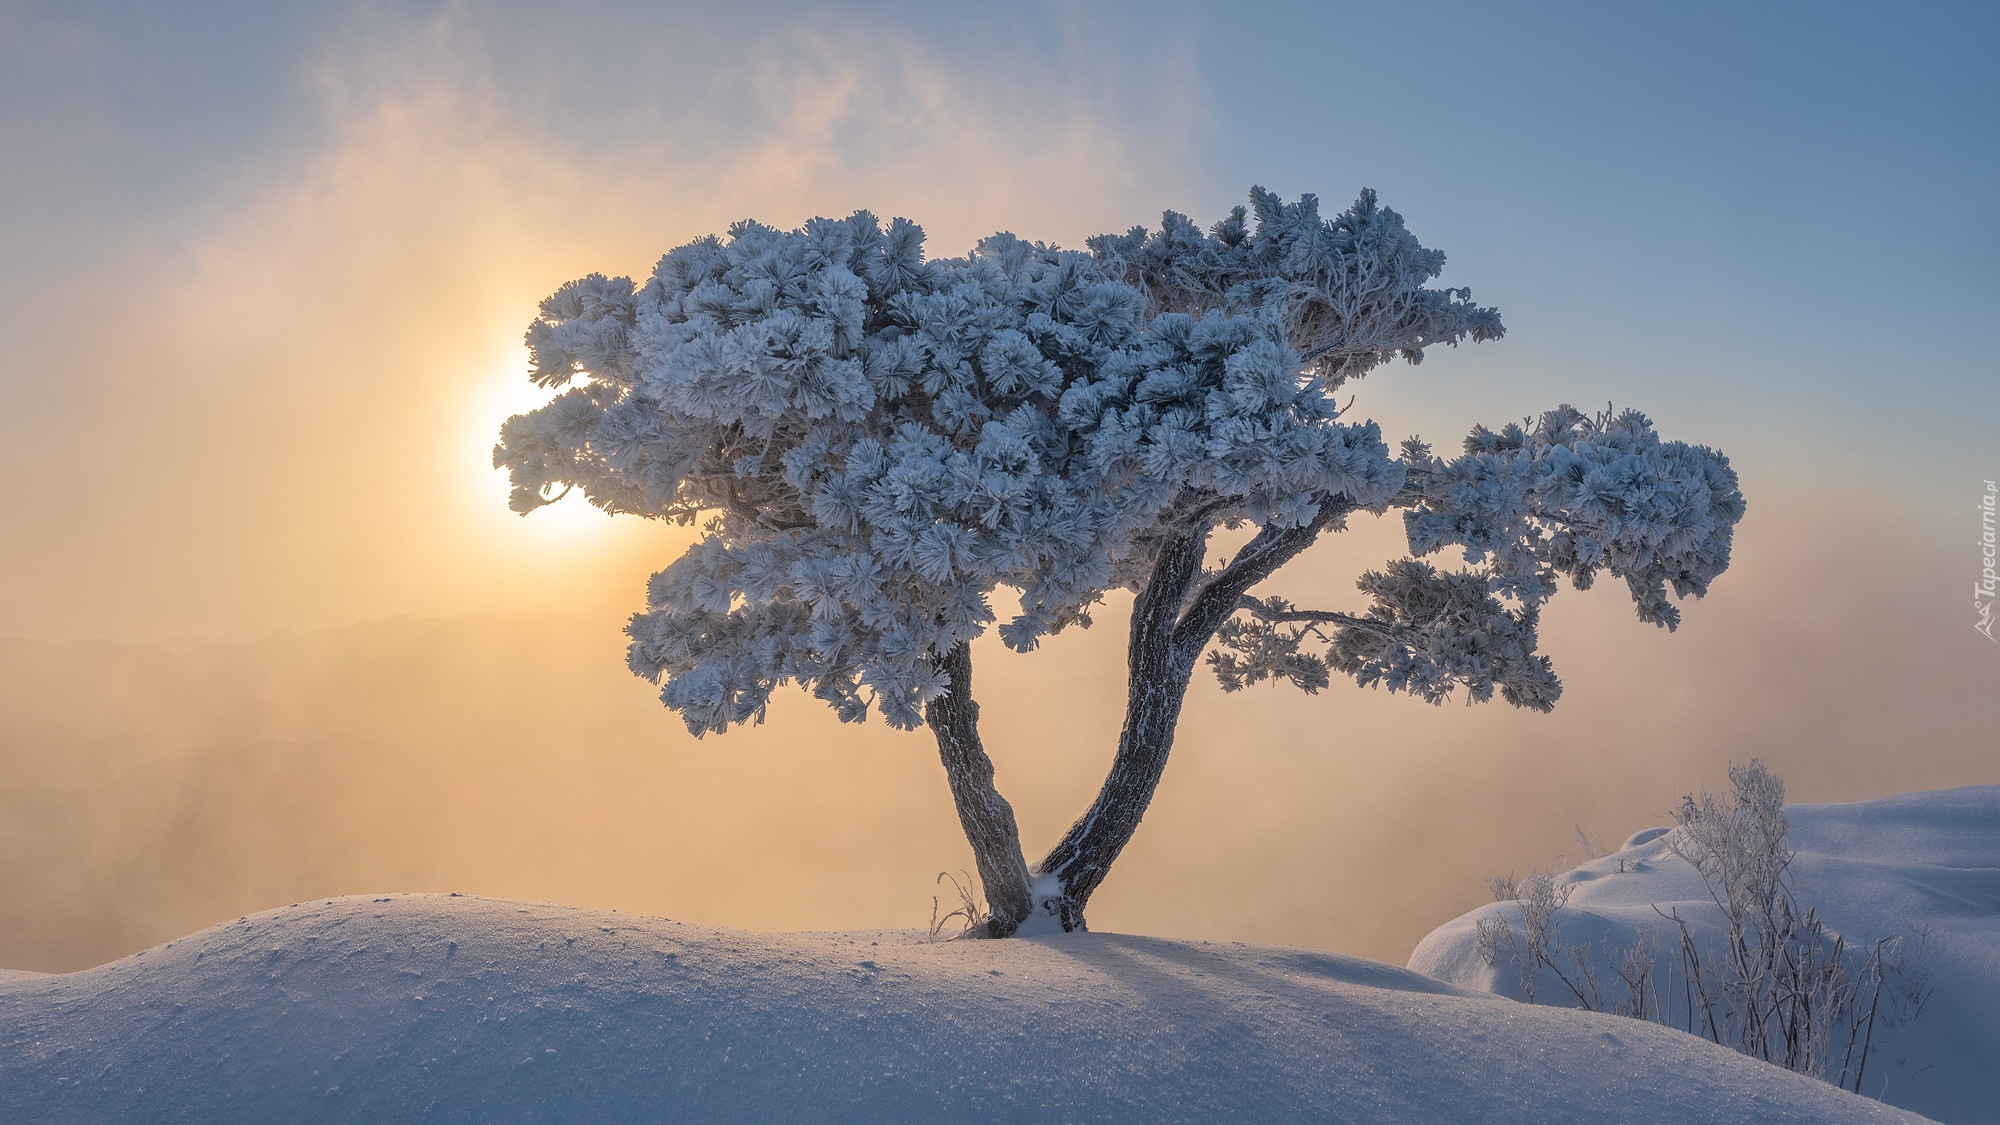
x=279, y=412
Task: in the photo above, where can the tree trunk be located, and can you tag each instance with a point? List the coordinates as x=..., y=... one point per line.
x=985, y=815
x=1169, y=632
x=1156, y=683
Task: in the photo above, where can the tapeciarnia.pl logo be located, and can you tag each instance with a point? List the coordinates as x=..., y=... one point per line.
x=1984, y=589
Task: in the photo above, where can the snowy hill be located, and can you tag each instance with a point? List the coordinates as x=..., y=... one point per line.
x=453, y=1008
x=1922, y=861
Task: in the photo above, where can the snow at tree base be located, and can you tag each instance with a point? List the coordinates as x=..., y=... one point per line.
x=433, y=1007
x=1922, y=863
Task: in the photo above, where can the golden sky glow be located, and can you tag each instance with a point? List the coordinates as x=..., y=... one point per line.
x=321, y=355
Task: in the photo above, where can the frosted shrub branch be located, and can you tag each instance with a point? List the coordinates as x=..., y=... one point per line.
x=972, y=915
x=1779, y=986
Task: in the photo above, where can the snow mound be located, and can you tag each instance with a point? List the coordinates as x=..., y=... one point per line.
x=455, y=1008
x=1922, y=861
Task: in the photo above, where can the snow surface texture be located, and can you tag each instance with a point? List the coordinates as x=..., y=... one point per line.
x=452, y=1008
x=1872, y=869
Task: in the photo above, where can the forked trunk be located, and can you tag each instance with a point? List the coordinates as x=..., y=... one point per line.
x=985, y=815
x=1171, y=626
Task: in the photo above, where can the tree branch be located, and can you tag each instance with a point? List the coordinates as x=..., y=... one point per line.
x=1259, y=559
x=1317, y=617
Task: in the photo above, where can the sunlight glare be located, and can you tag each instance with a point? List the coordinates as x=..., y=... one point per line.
x=499, y=392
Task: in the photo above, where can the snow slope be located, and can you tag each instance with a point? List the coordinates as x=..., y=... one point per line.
x=1871, y=868
x=449, y=1008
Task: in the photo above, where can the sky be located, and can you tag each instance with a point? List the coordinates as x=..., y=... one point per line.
x=268, y=267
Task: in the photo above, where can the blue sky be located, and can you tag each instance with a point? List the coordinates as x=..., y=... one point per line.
x=1781, y=208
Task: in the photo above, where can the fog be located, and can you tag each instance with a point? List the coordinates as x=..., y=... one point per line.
x=149, y=793
x=270, y=632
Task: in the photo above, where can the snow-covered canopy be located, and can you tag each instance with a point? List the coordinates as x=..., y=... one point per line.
x=877, y=441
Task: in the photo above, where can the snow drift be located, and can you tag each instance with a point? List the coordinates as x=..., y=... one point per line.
x=1920, y=863
x=453, y=1008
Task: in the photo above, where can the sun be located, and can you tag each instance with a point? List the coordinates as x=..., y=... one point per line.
x=498, y=391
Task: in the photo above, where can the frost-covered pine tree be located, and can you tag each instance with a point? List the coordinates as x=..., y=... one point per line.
x=873, y=442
